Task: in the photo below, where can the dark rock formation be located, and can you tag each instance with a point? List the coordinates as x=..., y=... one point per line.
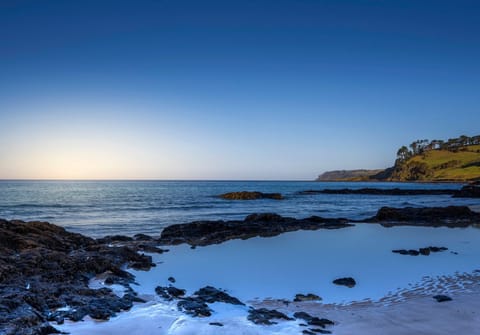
x=171, y=279
x=264, y=316
x=210, y=295
x=194, y=307
x=218, y=324
x=43, y=268
x=169, y=292
x=313, y=320
x=468, y=191
x=422, y=251
x=451, y=216
x=348, y=282
x=265, y=225
x=306, y=297
x=380, y=191
x=319, y=331
x=442, y=298
x=244, y=195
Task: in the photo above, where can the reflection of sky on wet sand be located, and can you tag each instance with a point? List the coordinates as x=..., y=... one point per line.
x=308, y=261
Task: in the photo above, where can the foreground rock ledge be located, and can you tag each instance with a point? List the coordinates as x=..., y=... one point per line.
x=45, y=271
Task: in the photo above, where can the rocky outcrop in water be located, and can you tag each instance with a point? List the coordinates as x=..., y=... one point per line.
x=347, y=281
x=245, y=195
x=469, y=191
x=44, y=276
x=442, y=298
x=451, y=216
x=422, y=251
x=211, y=232
x=380, y=191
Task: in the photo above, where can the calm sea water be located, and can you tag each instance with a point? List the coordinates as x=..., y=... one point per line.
x=97, y=208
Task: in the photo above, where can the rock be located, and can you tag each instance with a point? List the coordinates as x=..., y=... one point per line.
x=320, y=331
x=169, y=292
x=442, y=298
x=348, y=281
x=422, y=251
x=171, y=279
x=210, y=295
x=244, y=195
x=451, y=216
x=142, y=237
x=201, y=233
x=381, y=191
x=313, y=320
x=194, y=307
x=264, y=316
x=468, y=191
x=216, y=324
x=437, y=249
x=306, y=297
x=114, y=238
x=44, y=267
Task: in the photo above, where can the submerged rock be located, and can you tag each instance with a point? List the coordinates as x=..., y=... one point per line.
x=450, y=216
x=348, y=281
x=265, y=224
x=245, y=195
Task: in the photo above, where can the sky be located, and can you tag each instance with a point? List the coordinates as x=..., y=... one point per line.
x=281, y=89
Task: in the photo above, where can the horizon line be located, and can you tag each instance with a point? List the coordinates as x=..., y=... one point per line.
x=147, y=179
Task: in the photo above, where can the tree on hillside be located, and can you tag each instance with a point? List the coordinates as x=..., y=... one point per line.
x=403, y=154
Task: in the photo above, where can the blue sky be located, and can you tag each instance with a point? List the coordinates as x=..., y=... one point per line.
x=230, y=89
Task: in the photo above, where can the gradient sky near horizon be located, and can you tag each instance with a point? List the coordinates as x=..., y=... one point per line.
x=281, y=89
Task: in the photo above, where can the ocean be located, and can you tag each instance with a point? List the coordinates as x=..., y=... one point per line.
x=98, y=208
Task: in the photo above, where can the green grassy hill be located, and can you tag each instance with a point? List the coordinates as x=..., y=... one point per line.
x=463, y=164
x=455, y=160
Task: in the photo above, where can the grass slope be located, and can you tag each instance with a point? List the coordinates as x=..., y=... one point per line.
x=445, y=165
